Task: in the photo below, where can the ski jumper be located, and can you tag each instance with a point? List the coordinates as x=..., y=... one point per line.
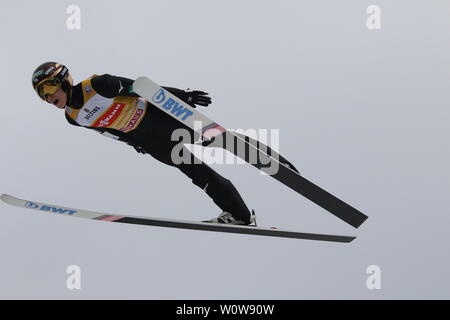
x=107, y=104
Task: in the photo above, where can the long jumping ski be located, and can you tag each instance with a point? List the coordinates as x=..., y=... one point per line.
x=286, y=173
x=157, y=222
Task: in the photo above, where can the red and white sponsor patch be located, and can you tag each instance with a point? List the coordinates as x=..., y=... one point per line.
x=110, y=116
x=132, y=123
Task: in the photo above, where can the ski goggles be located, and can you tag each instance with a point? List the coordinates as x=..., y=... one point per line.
x=48, y=86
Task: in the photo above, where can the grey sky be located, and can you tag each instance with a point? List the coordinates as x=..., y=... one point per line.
x=362, y=113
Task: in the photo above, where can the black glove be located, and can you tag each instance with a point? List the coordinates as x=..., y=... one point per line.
x=197, y=97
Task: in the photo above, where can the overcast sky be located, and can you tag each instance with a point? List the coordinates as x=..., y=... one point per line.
x=363, y=113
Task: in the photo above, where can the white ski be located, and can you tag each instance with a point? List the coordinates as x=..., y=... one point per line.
x=278, y=167
x=168, y=223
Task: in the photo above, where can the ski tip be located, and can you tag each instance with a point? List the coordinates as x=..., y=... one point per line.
x=139, y=83
x=6, y=198
x=141, y=79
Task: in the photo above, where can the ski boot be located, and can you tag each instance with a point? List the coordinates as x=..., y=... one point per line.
x=227, y=218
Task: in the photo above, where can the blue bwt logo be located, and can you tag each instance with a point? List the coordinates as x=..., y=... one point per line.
x=159, y=97
x=33, y=205
x=177, y=109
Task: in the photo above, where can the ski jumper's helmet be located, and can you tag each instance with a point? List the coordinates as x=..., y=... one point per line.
x=49, y=77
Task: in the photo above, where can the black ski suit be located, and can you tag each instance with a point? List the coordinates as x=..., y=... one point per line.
x=153, y=136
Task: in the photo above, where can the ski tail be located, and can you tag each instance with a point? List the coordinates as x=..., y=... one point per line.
x=291, y=178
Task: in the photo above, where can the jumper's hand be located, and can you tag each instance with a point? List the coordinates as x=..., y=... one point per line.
x=198, y=98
